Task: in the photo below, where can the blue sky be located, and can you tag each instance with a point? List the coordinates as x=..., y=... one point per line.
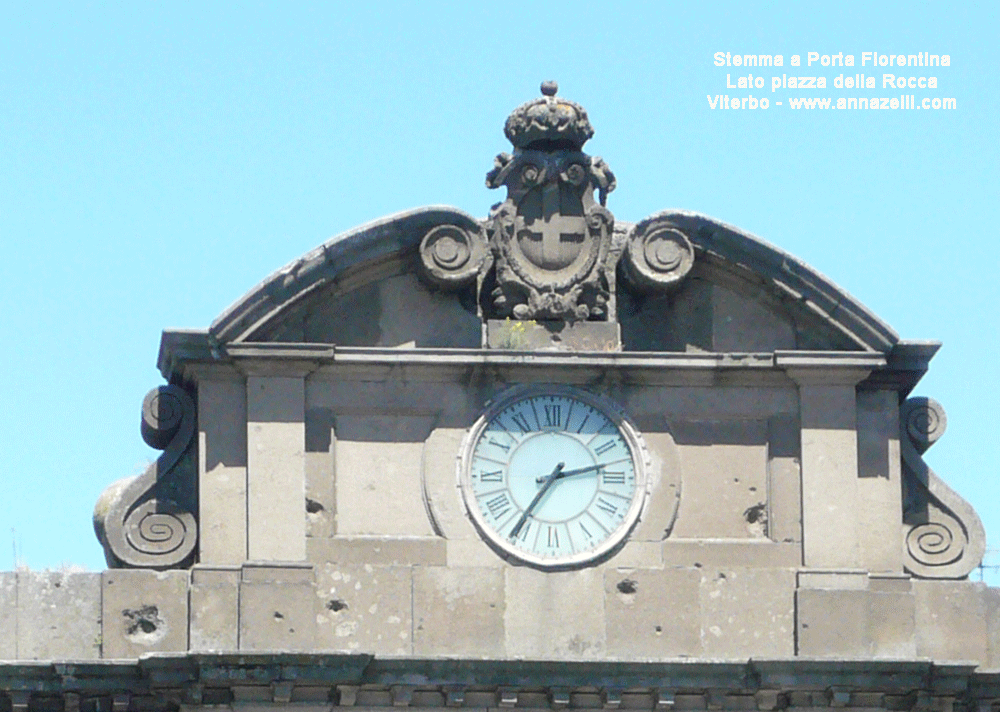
x=157, y=161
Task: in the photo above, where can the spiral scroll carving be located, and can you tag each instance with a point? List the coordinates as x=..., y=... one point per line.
x=452, y=257
x=943, y=535
x=658, y=256
x=148, y=521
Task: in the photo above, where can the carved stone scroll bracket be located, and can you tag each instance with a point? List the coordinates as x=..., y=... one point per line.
x=658, y=256
x=943, y=536
x=452, y=257
x=149, y=521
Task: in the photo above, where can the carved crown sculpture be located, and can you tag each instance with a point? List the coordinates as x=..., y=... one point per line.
x=549, y=252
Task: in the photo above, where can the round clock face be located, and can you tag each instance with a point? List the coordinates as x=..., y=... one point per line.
x=553, y=476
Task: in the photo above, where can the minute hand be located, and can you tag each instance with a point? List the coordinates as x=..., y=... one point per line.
x=568, y=473
x=541, y=493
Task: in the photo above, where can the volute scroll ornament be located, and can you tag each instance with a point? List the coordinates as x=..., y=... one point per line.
x=451, y=256
x=550, y=238
x=148, y=521
x=943, y=536
x=658, y=256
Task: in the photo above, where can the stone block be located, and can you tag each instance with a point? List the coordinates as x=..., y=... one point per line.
x=950, y=618
x=276, y=468
x=712, y=402
x=891, y=621
x=458, y=611
x=277, y=616
x=473, y=552
x=143, y=611
x=440, y=484
x=516, y=335
x=784, y=521
x=58, y=615
x=442, y=322
x=362, y=608
x=378, y=465
x=660, y=511
x=681, y=321
x=747, y=613
x=653, y=614
x=724, y=466
x=557, y=616
x=741, y=324
x=222, y=470
x=321, y=499
x=991, y=600
x=378, y=550
x=878, y=481
x=752, y=553
x=8, y=615
x=829, y=476
x=214, y=601
x=855, y=623
x=832, y=624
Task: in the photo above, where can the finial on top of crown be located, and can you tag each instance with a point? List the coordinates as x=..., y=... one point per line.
x=549, y=123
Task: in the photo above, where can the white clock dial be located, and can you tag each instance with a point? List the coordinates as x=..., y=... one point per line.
x=553, y=476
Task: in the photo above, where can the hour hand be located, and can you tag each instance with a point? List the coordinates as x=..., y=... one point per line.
x=568, y=473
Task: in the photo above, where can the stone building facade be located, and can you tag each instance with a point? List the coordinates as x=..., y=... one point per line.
x=544, y=459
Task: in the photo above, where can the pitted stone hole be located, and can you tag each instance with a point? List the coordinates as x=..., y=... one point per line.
x=627, y=586
x=336, y=605
x=144, y=625
x=659, y=629
x=755, y=513
x=278, y=616
x=722, y=575
x=313, y=507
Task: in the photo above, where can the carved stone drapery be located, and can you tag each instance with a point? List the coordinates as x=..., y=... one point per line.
x=943, y=535
x=149, y=521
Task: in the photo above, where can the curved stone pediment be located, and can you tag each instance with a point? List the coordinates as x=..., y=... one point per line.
x=362, y=288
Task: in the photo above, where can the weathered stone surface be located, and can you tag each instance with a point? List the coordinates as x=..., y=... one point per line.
x=878, y=481
x=553, y=335
x=440, y=484
x=679, y=322
x=277, y=608
x=747, y=613
x=58, y=615
x=829, y=474
x=554, y=615
x=214, y=601
x=442, y=321
x=364, y=608
x=8, y=615
x=784, y=520
x=275, y=468
x=832, y=623
x=856, y=623
x=652, y=614
x=321, y=498
x=991, y=598
x=378, y=468
x=143, y=611
x=724, y=490
x=222, y=469
x=950, y=619
x=741, y=324
x=660, y=511
x=751, y=553
x=379, y=550
x=458, y=611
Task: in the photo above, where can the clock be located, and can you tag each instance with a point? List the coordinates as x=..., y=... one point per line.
x=553, y=476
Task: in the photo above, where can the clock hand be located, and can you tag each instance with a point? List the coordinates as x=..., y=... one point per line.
x=568, y=473
x=541, y=493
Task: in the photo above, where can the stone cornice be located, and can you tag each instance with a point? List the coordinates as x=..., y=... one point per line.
x=164, y=681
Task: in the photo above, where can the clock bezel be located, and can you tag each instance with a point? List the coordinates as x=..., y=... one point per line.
x=629, y=433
